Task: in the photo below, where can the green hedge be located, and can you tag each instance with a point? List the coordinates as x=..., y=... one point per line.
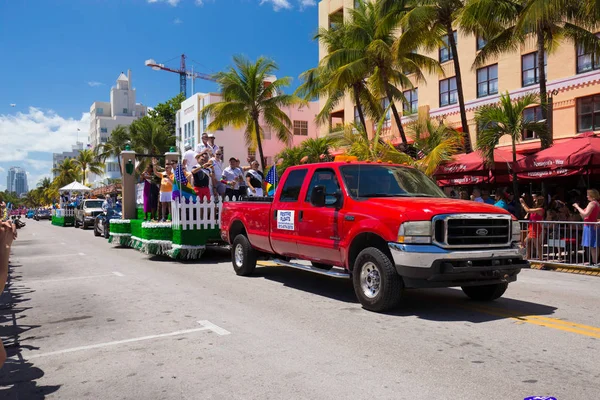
x=195, y=237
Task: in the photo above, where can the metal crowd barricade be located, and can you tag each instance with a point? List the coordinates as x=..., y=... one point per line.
x=561, y=242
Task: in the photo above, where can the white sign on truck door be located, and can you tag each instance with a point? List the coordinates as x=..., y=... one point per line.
x=285, y=220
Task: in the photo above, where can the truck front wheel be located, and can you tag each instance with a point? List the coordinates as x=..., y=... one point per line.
x=485, y=292
x=377, y=285
x=243, y=256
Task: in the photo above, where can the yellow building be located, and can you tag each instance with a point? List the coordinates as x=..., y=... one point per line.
x=572, y=76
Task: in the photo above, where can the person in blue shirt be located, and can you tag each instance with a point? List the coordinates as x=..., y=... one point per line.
x=485, y=196
x=501, y=199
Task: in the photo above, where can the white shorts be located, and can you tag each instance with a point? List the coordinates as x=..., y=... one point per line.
x=259, y=192
x=166, y=197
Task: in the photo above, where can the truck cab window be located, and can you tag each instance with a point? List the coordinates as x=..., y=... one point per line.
x=292, y=186
x=328, y=179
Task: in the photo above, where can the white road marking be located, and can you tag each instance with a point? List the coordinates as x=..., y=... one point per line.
x=68, y=279
x=206, y=325
x=27, y=257
x=81, y=254
x=118, y=273
x=62, y=243
x=216, y=329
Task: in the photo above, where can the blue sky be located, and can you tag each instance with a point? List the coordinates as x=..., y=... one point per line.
x=59, y=56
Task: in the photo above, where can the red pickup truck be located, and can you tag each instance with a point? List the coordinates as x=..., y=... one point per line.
x=387, y=227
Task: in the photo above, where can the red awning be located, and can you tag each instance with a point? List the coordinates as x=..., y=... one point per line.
x=569, y=157
x=474, y=164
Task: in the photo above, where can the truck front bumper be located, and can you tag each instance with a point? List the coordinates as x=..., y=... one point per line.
x=433, y=266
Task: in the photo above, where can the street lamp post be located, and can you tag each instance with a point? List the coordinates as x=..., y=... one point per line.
x=550, y=115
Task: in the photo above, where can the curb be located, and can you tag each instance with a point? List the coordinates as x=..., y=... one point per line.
x=572, y=269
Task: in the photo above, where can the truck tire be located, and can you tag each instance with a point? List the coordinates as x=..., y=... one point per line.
x=377, y=285
x=243, y=256
x=325, y=267
x=485, y=292
x=96, y=232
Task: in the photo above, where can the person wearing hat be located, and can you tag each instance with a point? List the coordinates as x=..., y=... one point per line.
x=189, y=157
x=211, y=144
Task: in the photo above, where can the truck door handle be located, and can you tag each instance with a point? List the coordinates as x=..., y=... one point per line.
x=300, y=215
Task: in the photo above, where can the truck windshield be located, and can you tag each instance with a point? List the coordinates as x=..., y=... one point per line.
x=368, y=181
x=93, y=204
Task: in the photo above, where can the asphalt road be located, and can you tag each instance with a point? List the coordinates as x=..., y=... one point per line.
x=92, y=321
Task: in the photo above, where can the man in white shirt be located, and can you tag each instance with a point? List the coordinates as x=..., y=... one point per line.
x=203, y=145
x=189, y=156
x=217, y=162
x=232, y=175
x=211, y=144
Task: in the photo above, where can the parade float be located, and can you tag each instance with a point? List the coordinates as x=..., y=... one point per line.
x=65, y=215
x=194, y=222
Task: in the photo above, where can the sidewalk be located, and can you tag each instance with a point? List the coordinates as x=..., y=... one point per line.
x=572, y=269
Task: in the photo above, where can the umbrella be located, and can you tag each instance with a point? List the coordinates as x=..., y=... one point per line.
x=75, y=187
x=575, y=156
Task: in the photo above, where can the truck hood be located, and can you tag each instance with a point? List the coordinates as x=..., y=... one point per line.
x=425, y=208
x=93, y=210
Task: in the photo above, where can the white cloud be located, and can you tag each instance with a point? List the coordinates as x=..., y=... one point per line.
x=2, y=170
x=177, y=21
x=95, y=83
x=278, y=4
x=307, y=3
x=171, y=2
x=38, y=131
x=199, y=2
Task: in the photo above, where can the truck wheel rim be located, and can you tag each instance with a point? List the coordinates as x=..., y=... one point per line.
x=370, y=280
x=239, y=255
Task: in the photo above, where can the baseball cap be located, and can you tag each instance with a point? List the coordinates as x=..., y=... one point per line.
x=210, y=135
x=188, y=147
x=204, y=134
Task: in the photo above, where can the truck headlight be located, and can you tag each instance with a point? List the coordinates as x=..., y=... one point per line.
x=88, y=214
x=417, y=232
x=516, y=231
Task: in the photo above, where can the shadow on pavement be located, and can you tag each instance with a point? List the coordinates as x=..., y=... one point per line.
x=18, y=376
x=443, y=305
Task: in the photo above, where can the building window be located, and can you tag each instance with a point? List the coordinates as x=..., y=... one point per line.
x=300, y=128
x=530, y=70
x=292, y=186
x=99, y=111
x=531, y=114
x=103, y=140
x=487, y=81
x=125, y=111
x=103, y=130
x=336, y=18
x=588, y=114
x=481, y=42
x=445, y=51
x=191, y=132
x=205, y=123
x=385, y=103
x=266, y=132
x=411, y=105
x=587, y=61
x=448, y=92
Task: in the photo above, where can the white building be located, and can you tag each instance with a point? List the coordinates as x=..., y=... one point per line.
x=106, y=116
x=58, y=158
x=16, y=181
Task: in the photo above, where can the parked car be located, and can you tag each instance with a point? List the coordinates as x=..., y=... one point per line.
x=30, y=214
x=86, y=212
x=387, y=227
x=102, y=222
x=42, y=214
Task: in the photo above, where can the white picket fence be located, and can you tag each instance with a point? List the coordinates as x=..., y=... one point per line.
x=62, y=212
x=199, y=215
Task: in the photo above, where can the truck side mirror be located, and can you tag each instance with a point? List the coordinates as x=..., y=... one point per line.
x=317, y=196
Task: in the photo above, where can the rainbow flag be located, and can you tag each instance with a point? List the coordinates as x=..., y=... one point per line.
x=181, y=186
x=271, y=180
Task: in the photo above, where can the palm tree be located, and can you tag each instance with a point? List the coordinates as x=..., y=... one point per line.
x=45, y=189
x=148, y=136
x=67, y=172
x=436, y=19
x=505, y=118
x=248, y=97
x=290, y=156
x=436, y=142
x=317, y=149
x=374, y=43
x=87, y=161
x=115, y=144
x=339, y=73
x=509, y=23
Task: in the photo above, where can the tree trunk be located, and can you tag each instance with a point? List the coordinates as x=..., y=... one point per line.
x=259, y=144
x=361, y=116
x=83, y=168
x=459, y=88
x=397, y=117
x=546, y=139
x=515, y=180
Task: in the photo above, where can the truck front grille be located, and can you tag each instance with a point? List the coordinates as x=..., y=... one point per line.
x=468, y=230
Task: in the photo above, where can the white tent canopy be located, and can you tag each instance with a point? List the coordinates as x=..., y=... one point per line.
x=75, y=187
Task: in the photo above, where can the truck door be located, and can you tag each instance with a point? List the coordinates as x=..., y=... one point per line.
x=284, y=218
x=319, y=233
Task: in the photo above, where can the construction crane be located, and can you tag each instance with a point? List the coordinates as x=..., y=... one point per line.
x=183, y=73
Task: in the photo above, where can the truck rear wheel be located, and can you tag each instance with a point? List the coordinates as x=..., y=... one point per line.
x=485, y=292
x=243, y=256
x=377, y=285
